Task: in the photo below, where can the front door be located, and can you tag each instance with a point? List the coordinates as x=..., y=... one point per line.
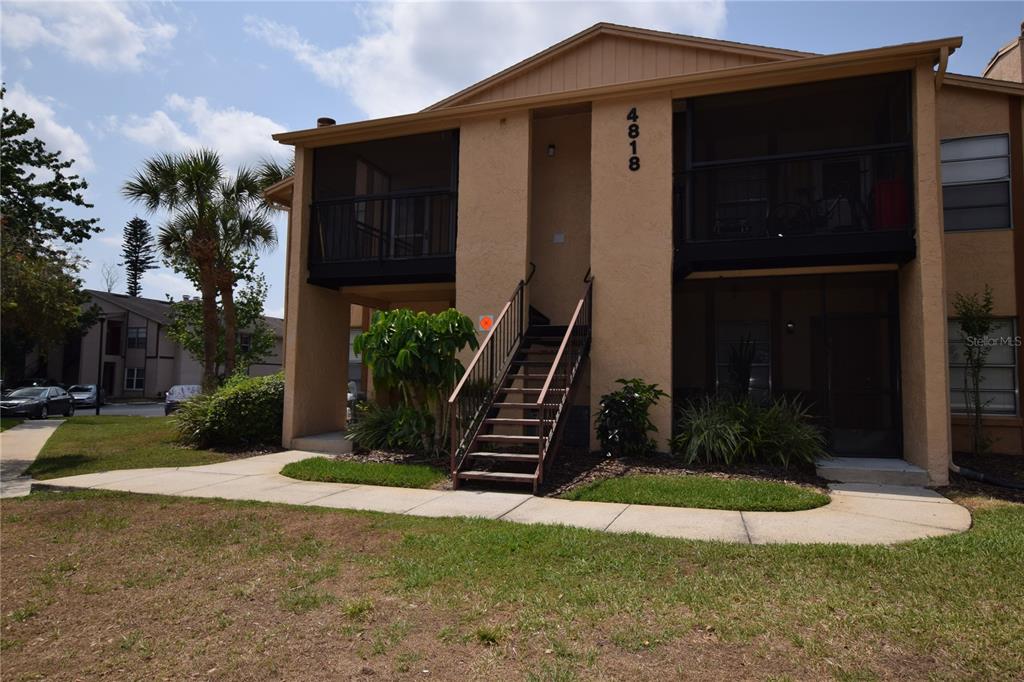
x=109, y=377
x=861, y=392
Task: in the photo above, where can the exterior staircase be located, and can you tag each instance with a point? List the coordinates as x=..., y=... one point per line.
x=509, y=409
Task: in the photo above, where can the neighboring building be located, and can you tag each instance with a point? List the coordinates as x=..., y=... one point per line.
x=138, y=359
x=734, y=204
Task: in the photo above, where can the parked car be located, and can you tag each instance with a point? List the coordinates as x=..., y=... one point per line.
x=88, y=395
x=176, y=395
x=37, y=402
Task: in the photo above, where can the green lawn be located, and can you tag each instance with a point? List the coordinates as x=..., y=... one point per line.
x=178, y=587
x=84, y=445
x=364, y=473
x=9, y=423
x=705, y=492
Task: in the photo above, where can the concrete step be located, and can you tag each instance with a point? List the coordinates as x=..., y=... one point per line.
x=880, y=470
x=333, y=443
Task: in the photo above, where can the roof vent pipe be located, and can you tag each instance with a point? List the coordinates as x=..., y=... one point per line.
x=325, y=121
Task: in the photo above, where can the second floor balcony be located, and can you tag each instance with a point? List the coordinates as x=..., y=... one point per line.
x=814, y=174
x=384, y=212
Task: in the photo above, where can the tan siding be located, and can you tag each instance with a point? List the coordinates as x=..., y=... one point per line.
x=611, y=59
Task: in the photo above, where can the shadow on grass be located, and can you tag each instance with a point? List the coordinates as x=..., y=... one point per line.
x=59, y=463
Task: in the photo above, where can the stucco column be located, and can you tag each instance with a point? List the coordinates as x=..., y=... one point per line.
x=494, y=208
x=315, y=372
x=631, y=251
x=923, y=343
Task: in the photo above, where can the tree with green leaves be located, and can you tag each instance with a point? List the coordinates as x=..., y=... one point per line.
x=415, y=354
x=138, y=253
x=186, y=328
x=38, y=267
x=975, y=320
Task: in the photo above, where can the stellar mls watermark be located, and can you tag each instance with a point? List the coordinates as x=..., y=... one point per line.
x=993, y=341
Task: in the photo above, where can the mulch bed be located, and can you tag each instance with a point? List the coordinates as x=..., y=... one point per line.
x=1007, y=467
x=576, y=468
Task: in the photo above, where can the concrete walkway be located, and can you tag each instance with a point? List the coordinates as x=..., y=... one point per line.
x=858, y=513
x=19, y=447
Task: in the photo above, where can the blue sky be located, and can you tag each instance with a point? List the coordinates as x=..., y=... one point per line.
x=112, y=84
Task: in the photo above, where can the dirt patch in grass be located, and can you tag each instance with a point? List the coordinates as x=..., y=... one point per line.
x=139, y=587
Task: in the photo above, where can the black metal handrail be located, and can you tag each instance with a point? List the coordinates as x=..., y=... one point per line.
x=472, y=397
x=819, y=194
x=396, y=226
x=554, y=395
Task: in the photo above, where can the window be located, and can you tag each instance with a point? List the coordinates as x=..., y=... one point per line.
x=743, y=356
x=355, y=364
x=113, y=339
x=134, y=379
x=137, y=337
x=976, y=183
x=245, y=342
x=999, y=378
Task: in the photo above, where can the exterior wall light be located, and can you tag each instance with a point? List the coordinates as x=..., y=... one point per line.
x=551, y=150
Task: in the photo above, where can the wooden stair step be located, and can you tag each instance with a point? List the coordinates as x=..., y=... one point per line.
x=506, y=476
x=532, y=363
x=514, y=389
x=505, y=456
x=503, y=438
x=513, y=405
x=526, y=421
x=513, y=377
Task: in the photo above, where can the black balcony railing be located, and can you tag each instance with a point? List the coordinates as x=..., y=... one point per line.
x=844, y=206
x=391, y=237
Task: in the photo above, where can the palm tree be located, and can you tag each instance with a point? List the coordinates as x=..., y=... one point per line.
x=245, y=229
x=187, y=187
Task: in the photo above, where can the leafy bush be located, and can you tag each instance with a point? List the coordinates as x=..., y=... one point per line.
x=400, y=428
x=244, y=411
x=414, y=355
x=623, y=421
x=719, y=430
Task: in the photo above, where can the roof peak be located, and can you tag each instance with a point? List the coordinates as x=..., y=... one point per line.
x=605, y=28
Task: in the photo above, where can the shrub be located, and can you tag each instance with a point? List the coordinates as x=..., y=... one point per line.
x=719, y=430
x=402, y=428
x=244, y=411
x=414, y=355
x=623, y=421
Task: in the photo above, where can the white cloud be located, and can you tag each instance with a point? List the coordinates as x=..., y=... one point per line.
x=105, y=35
x=166, y=282
x=115, y=242
x=412, y=54
x=241, y=137
x=56, y=136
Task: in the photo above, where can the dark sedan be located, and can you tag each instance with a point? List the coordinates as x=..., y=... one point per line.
x=37, y=402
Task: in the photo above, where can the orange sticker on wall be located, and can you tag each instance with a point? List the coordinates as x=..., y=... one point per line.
x=485, y=322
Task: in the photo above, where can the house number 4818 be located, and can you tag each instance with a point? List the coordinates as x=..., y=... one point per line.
x=633, y=132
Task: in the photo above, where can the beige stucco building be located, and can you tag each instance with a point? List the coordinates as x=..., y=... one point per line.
x=695, y=212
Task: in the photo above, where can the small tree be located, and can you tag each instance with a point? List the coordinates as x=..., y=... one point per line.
x=975, y=320
x=110, y=276
x=186, y=328
x=414, y=354
x=138, y=252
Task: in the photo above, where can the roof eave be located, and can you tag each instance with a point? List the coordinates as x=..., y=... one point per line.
x=721, y=80
x=981, y=83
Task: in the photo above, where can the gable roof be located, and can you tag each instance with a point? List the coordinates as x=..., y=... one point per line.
x=159, y=311
x=608, y=53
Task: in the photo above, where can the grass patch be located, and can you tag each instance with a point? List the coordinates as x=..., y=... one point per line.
x=704, y=492
x=85, y=445
x=364, y=473
x=502, y=600
x=9, y=423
